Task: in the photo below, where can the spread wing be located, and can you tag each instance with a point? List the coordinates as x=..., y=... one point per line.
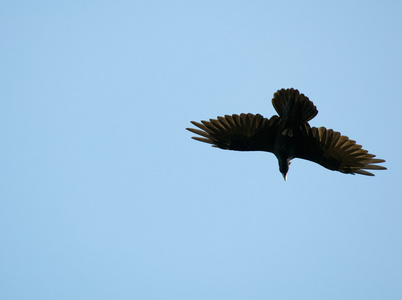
x=245, y=132
x=336, y=152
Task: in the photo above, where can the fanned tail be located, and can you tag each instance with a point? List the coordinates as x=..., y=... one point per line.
x=294, y=108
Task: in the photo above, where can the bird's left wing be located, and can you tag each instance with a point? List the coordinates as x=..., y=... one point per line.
x=336, y=152
x=244, y=132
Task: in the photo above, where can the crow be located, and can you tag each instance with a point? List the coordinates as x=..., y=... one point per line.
x=288, y=136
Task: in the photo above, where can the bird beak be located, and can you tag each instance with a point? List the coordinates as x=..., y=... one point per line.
x=285, y=176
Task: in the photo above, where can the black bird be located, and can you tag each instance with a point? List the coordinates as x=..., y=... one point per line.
x=288, y=136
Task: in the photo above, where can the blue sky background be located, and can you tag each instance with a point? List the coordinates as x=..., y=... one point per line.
x=105, y=196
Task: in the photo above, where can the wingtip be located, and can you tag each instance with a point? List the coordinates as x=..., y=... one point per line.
x=201, y=139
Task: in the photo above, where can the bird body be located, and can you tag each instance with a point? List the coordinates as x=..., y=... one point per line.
x=285, y=149
x=288, y=136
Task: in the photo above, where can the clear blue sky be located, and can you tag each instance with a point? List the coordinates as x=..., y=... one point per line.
x=104, y=195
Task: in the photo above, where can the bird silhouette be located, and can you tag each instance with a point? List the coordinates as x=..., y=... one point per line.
x=288, y=136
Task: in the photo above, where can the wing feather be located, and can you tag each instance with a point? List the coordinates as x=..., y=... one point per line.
x=336, y=152
x=244, y=132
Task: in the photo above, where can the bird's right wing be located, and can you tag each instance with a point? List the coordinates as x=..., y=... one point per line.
x=336, y=152
x=245, y=132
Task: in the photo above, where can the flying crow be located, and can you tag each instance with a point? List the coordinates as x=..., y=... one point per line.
x=288, y=136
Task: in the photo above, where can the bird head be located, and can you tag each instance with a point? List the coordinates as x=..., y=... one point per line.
x=284, y=167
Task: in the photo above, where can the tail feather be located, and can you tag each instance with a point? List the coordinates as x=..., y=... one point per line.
x=293, y=106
